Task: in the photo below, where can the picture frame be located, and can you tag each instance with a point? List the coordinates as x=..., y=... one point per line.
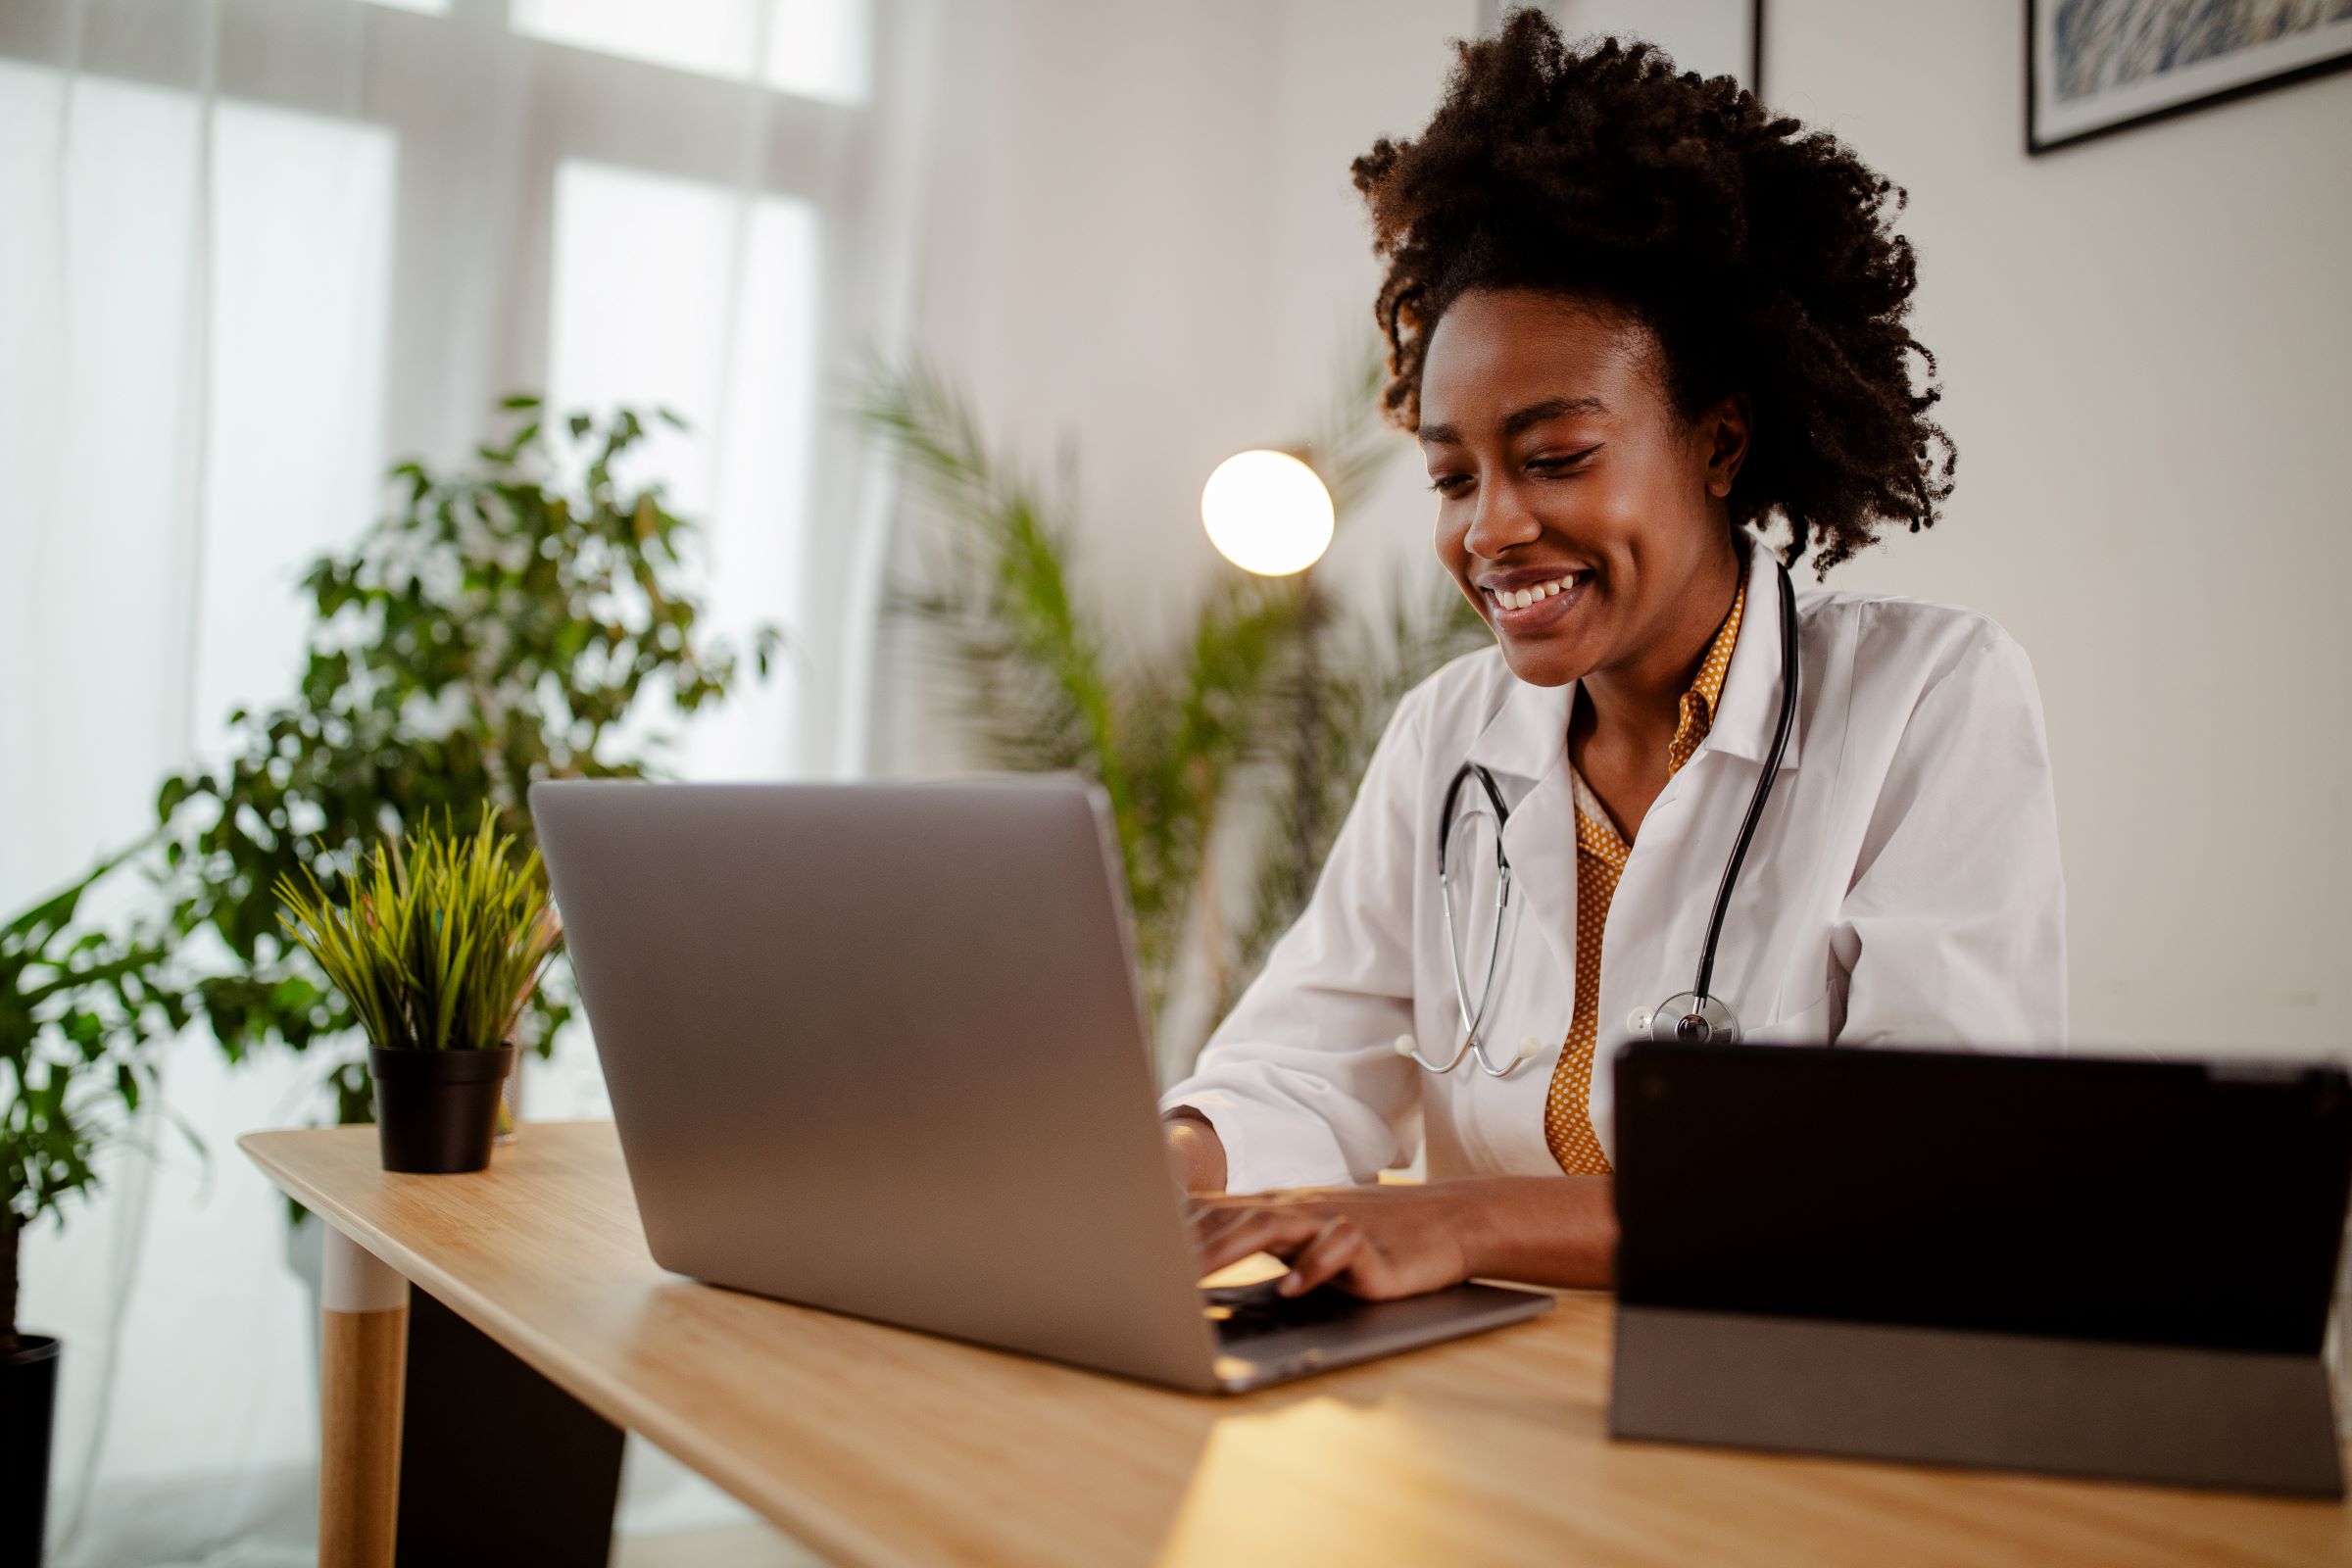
x=2097, y=67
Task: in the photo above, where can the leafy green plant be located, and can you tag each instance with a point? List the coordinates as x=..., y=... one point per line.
x=79, y=1011
x=438, y=942
x=527, y=618
x=1039, y=680
x=1337, y=695
x=1273, y=698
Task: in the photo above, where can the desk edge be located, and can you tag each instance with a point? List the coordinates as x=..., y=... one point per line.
x=798, y=1513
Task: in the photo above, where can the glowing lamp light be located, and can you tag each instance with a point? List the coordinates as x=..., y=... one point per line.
x=1267, y=513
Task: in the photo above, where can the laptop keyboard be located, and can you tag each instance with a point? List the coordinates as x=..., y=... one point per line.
x=1252, y=1311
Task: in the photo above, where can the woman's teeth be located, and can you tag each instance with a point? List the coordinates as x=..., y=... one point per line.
x=1521, y=598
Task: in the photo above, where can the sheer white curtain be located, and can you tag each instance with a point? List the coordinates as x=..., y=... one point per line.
x=252, y=251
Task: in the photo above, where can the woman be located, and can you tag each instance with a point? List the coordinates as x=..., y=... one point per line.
x=1631, y=317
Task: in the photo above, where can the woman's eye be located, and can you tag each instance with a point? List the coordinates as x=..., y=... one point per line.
x=1448, y=484
x=1562, y=462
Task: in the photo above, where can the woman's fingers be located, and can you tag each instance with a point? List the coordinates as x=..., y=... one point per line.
x=1332, y=1249
x=1212, y=1219
x=1233, y=1235
x=1377, y=1243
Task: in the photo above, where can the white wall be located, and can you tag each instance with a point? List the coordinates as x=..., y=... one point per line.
x=2146, y=344
x=1146, y=251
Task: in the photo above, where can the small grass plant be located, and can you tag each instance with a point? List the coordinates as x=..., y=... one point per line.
x=439, y=940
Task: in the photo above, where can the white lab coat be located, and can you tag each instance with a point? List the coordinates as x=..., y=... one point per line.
x=1903, y=887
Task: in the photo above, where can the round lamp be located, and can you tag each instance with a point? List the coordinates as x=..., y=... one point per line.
x=1267, y=513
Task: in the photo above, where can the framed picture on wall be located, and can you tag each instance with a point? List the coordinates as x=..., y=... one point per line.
x=2097, y=66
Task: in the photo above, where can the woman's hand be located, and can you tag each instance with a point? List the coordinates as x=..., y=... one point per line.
x=1373, y=1242
x=1391, y=1241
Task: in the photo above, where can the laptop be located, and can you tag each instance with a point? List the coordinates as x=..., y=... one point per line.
x=878, y=1049
x=2073, y=1265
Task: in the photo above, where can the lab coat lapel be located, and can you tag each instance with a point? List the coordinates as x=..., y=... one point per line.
x=1751, y=707
x=1527, y=739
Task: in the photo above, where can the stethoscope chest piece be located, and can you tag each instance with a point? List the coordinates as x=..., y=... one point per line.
x=1687, y=1019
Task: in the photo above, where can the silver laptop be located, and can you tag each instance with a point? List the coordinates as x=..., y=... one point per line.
x=877, y=1048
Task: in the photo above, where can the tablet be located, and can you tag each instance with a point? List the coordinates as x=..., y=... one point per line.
x=1984, y=1258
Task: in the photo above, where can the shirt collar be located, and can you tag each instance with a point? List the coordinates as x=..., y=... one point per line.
x=1698, y=702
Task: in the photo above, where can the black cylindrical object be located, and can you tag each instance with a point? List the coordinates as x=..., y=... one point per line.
x=28, y=1407
x=436, y=1111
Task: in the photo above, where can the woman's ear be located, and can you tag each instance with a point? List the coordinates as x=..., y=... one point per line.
x=1724, y=431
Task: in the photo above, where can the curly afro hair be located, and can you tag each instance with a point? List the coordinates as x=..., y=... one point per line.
x=1761, y=257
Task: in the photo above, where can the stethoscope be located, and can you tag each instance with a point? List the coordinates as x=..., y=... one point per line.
x=1688, y=1018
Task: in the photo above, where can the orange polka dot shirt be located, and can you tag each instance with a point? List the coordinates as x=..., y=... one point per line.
x=1600, y=856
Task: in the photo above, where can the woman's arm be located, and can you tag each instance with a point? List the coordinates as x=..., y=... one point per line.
x=1391, y=1241
x=1954, y=932
x=1196, y=1152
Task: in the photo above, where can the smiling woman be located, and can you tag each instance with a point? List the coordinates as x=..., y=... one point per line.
x=1742, y=256
x=1640, y=325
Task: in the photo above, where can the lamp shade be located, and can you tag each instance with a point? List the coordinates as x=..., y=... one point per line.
x=1267, y=513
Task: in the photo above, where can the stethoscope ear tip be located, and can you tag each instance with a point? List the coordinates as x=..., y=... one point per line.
x=1406, y=1046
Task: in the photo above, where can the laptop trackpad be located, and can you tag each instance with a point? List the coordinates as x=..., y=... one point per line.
x=1263, y=1336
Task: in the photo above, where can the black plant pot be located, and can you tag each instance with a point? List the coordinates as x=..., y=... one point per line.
x=435, y=1111
x=27, y=1402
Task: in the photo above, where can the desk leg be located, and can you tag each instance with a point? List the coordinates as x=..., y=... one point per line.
x=498, y=1466
x=363, y=1355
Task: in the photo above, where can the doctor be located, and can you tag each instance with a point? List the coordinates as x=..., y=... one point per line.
x=1636, y=323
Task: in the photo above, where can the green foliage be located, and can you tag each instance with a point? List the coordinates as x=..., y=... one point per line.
x=1340, y=693
x=1271, y=699
x=1041, y=686
x=439, y=941
x=502, y=624
x=78, y=1011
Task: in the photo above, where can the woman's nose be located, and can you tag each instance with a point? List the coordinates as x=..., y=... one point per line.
x=1500, y=520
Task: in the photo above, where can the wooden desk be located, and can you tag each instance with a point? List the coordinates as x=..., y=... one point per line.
x=871, y=1445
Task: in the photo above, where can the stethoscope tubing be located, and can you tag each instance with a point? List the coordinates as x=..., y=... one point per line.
x=1473, y=1019
x=1764, y=783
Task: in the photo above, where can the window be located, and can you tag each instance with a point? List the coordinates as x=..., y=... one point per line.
x=709, y=309
x=816, y=48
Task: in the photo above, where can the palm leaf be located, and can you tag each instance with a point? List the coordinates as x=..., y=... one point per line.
x=1350, y=685
x=1273, y=696
x=1037, y=677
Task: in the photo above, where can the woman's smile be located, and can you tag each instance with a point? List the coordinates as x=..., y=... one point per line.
x=1525, y=604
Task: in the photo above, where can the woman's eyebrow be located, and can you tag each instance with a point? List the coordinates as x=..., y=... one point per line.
x=1518, y=421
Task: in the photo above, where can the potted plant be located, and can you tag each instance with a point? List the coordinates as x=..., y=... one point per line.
x=529, y=614
x=436, y=946
x=78, y=1010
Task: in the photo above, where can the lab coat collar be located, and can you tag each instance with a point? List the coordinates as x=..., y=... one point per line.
x=1750, y=709
x=1528, y=734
